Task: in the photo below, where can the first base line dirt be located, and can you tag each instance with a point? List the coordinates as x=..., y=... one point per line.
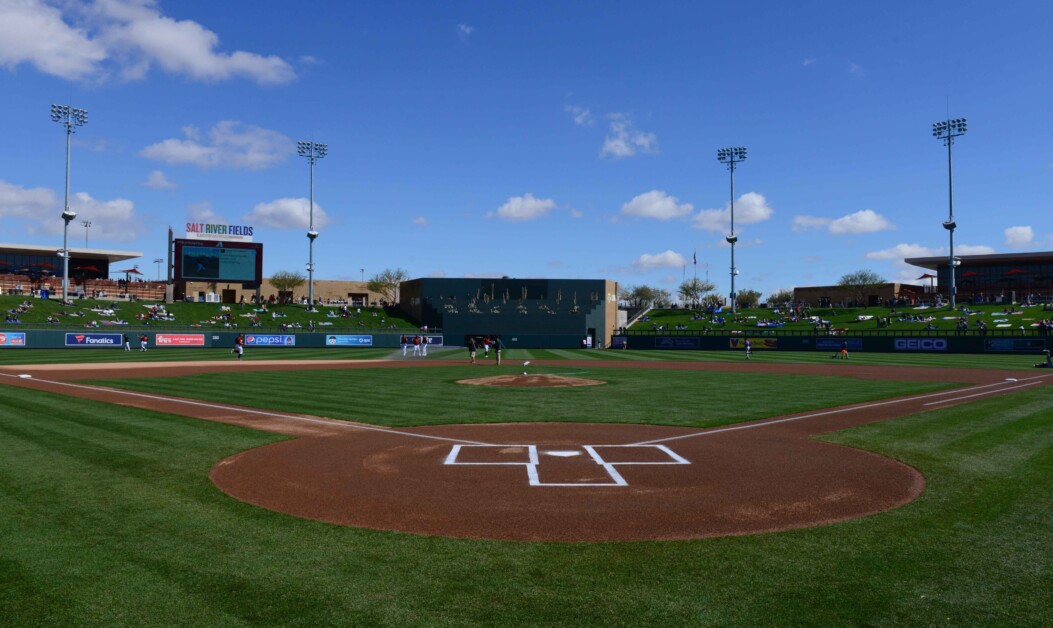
x=556, y=481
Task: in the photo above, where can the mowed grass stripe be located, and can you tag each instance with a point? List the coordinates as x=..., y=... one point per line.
x=405, y=397
x=141, y=537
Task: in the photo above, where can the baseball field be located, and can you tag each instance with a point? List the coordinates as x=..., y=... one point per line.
x=353, y=487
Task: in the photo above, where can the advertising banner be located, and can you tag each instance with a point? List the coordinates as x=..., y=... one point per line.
x=434, y=340
x=93, y=340
x=1015, y=345
x=834, y=344
x=180, y=340
x=270, y=340
x=920, y=344
x=755, y=343
x=677, y=342
x=337, y=340
x=12, y=339
x=619, y=342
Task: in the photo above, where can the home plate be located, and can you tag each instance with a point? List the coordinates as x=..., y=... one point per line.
x=562, y=454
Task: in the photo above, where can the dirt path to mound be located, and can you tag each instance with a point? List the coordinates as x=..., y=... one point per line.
x=557, y=481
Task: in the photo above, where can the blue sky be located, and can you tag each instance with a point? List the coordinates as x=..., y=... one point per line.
x=535, y=139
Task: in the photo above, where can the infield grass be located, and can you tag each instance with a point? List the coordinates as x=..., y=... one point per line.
x=107, y=518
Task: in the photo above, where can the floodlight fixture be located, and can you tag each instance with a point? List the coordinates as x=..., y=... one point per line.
x=70, y=117
x=732, y=156
x=313, y=151
x=947, y=130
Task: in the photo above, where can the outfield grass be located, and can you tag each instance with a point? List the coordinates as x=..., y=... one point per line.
x=107, y=518
x=512, y=357
x=430, y=396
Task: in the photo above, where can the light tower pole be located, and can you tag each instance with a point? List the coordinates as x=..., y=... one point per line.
x=71, y=118
x=313, y=152
x=87, y=225
x=947, y=131
x=159, y=261
x=730, y=157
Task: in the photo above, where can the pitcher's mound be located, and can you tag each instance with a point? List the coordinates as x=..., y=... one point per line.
x=539, y=380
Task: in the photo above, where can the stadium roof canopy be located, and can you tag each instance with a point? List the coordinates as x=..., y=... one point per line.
x=932, y=263
x=75, y=253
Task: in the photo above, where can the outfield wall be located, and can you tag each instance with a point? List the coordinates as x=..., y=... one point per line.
x=877, y=344
x=109, y=339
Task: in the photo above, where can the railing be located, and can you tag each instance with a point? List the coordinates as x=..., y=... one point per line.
x=880, y=333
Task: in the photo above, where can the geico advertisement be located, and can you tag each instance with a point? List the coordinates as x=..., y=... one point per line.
x=920, y=344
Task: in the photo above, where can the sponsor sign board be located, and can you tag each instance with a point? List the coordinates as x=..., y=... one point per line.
x=221, y=231
x=93, y=340
x=755, y=343
x=270, y=340
x=357, y=340
x=1015, y=345
x=434, y=340
x=619, y=342
x=179, y=340
x=677, y=342
x=920, y=344
x=12, y=339
x=834, y=344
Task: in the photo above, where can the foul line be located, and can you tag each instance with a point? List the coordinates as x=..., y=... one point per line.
x=766, y=423
x=216, y=406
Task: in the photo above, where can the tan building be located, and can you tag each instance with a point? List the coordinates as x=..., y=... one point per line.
x=840, y=296
x=325, y=290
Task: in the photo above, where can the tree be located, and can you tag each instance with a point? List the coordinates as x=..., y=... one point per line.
x=747, y=298
x=285, y=281
x=640, y=296
x=861, y=283
x=662, y=297
x=691, y=291
x=780, y=297
x=387, y=283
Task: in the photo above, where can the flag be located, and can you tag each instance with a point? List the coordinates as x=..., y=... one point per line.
x=694, y=258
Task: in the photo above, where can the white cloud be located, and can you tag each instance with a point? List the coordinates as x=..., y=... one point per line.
x=667, y=259
x=810, y=61
x=624, y=140
x=33, y=32
x=420, y=221
x=526, y=207
x=581, y=115
x=75, y=41
x=903, y=250
x=855, y=68
x=576, y=213
x=230, y=144
x=656, y=204
x=863, y=221
x=114, y=220
x=19, y=202
x=158, y=181
x=287, y=213
x=203, y=212
x=750, y=208
x=464, y=30
x=974, y=249
x=807, y=223
x=1019, y=237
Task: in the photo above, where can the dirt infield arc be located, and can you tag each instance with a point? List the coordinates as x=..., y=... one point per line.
x=559, y=481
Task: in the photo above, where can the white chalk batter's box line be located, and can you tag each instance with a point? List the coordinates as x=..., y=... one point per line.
x=534, y=460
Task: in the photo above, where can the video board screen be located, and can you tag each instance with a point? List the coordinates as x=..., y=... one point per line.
x=218, y=261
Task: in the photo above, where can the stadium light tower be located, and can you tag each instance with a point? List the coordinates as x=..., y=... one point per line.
x=87, y=225
x=730, y=157
x=159, y=261
x=313, y=152
x=71, y=118
x=947, y=131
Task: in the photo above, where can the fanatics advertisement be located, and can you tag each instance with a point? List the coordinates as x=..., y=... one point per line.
x=349, y=341
x=12, y=339
x=270, y=340
x=93, y=340
x=180, y=340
